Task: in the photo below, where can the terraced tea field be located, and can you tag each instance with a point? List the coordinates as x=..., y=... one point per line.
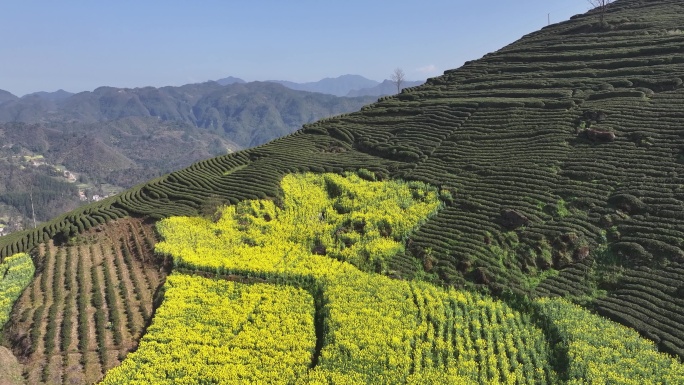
x=557, y=163
x=88, y=304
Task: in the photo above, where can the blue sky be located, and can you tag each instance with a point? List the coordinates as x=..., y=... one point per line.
x=80, y=45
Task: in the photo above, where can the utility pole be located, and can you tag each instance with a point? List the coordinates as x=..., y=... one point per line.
x=548, y=19
x=33, y=211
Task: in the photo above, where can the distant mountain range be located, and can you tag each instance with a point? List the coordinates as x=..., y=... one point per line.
x=247, y=114
x=230, y=80
x=345, y=85
x=122, y=136
x=339, y=86
x=57, y=95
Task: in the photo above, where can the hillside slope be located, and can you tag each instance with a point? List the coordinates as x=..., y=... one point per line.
x=562, y=153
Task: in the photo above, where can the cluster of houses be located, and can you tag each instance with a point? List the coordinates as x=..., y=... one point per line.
x=70, y=177
x=38, y=161
x=95, y=198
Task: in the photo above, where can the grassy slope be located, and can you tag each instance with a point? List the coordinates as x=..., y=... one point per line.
x=506, y=133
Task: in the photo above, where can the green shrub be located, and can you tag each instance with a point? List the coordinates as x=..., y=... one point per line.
x=366, y=174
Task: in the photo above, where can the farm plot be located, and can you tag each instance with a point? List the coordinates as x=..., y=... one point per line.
x=369, y=328
x=222, y=331
x=87, y=306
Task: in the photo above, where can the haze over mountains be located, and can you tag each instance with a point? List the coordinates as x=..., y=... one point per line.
x=339, y=86
x=70, y=147
x=350, y=85
x=345, y=85
x=248, y=113
x=113, y=138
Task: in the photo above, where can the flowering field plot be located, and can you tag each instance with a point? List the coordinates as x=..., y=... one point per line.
x=347, y=218
x=223, y=331
x=603, y=352
x=370, y=329
x=16, y=273
x=387, y=331
x=326, y=316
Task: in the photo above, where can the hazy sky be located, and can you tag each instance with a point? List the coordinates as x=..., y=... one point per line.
x=80, y=45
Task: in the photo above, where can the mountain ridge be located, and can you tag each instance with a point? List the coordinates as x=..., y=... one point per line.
x=6, y=96
x=339, y=86
x=342, y=86
x=229, y=80
x=205, y=105
x=55, y=95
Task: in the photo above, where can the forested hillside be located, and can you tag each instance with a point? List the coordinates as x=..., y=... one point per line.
x=112, y=139
x=553, y=172
x=248, y=114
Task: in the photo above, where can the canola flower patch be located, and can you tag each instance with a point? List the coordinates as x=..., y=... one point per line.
x=16, y=272
x=387, y=331
x=601, y=351
x=220, y=331
x=343, y=217
x=374, y=329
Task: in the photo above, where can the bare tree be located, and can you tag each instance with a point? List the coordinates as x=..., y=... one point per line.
x=397, y=77
x=601, y=5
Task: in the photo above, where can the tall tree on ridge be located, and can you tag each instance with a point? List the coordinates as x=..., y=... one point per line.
x=601, y=5
x=397, y=77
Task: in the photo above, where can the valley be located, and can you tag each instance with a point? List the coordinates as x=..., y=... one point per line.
x=62, y=150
